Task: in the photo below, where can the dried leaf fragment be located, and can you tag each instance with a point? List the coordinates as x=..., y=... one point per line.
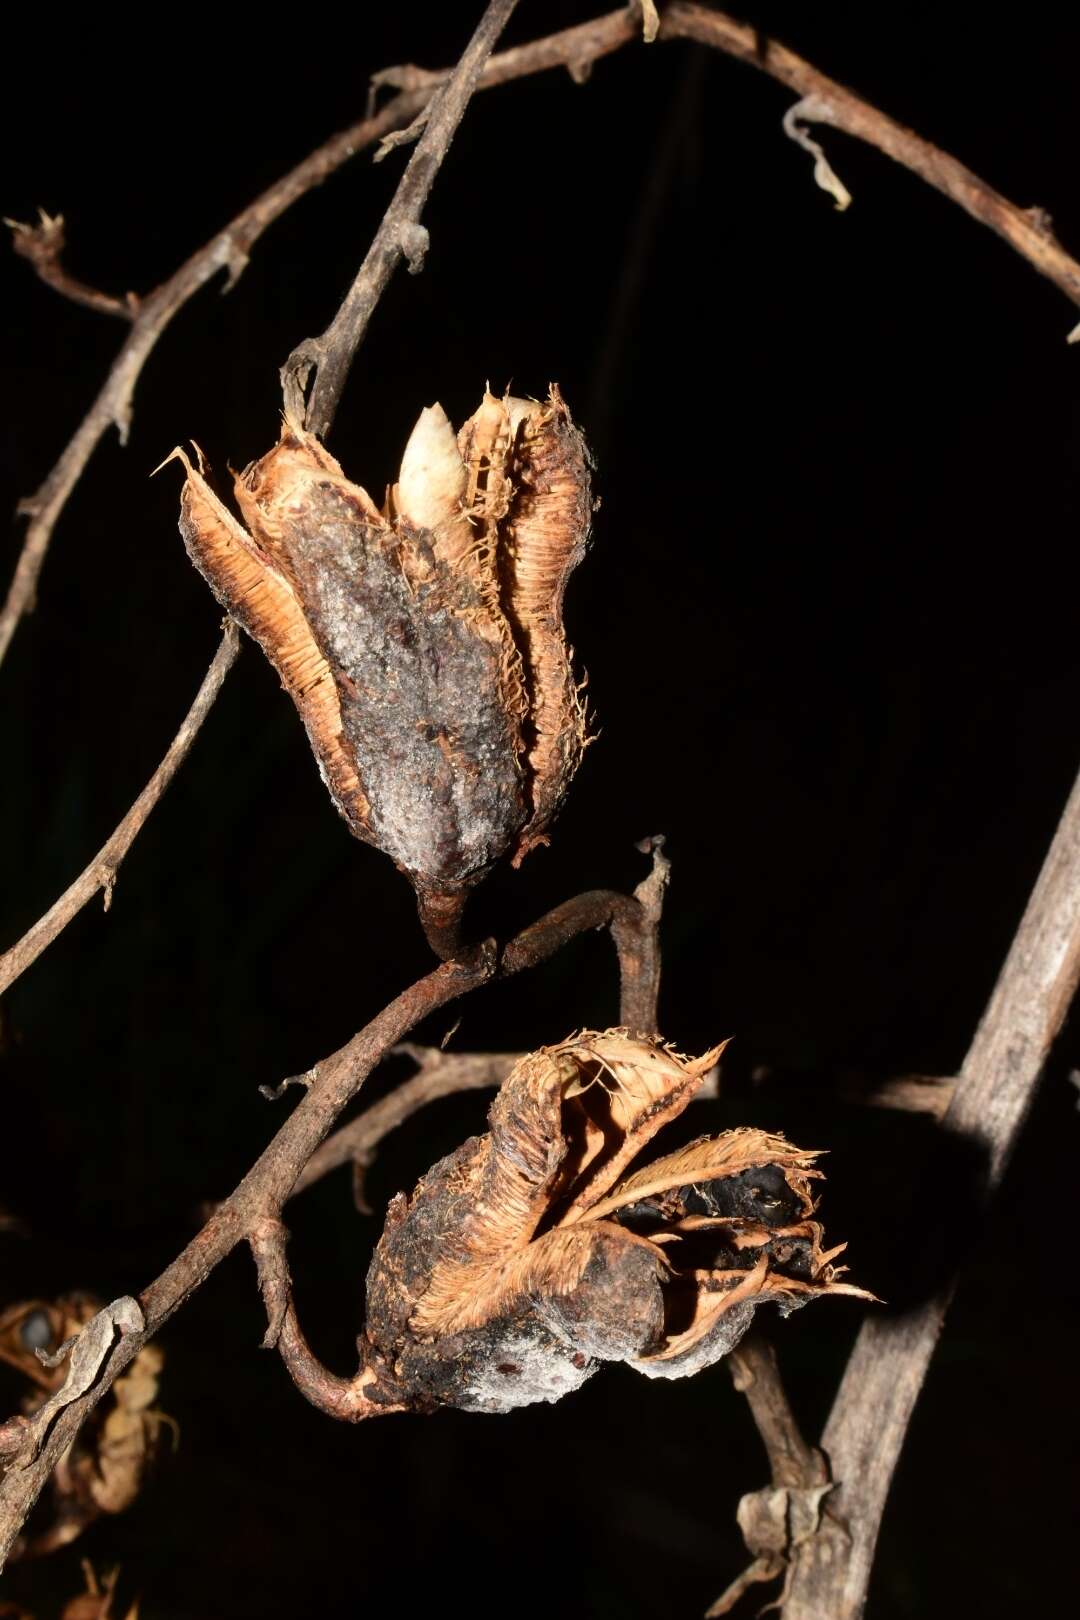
x=59, y=1346
x=530, y=1255
x=825, y=176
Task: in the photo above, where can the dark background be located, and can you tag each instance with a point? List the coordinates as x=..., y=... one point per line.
x=830, y=627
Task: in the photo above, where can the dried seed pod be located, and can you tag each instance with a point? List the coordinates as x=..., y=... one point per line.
x=534, y=1252
x=422, y=643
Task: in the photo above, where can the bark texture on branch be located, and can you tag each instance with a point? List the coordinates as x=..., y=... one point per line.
x=881, y=1383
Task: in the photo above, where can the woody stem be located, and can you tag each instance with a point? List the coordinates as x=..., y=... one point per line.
x=441, y=917
x=400, y=236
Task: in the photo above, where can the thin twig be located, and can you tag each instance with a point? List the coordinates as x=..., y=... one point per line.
x=882, y=1380
x=400, y=235
x=102, y=870
x=262, y=1193
x=636, y=933
x=575, y=49
x=43, y=245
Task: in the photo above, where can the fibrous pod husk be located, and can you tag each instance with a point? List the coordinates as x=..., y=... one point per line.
x=537, y=1251
x=422, y=642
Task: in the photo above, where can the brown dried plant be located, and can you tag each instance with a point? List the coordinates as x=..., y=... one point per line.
x=421, y=641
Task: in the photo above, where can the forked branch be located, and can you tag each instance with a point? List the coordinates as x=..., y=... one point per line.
x=255, y=1205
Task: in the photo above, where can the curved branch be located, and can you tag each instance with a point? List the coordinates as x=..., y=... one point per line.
x=1027, y=230
x=345, y=1399
x=102, y=870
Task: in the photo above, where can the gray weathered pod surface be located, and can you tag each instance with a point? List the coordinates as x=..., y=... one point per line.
x=535, y=1252
x=422, y=642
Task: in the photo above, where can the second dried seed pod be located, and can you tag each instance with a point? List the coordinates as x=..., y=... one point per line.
x=535, y=1252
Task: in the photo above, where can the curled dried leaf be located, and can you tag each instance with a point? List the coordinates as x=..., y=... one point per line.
x=535, y=1252
x=105, y=1468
